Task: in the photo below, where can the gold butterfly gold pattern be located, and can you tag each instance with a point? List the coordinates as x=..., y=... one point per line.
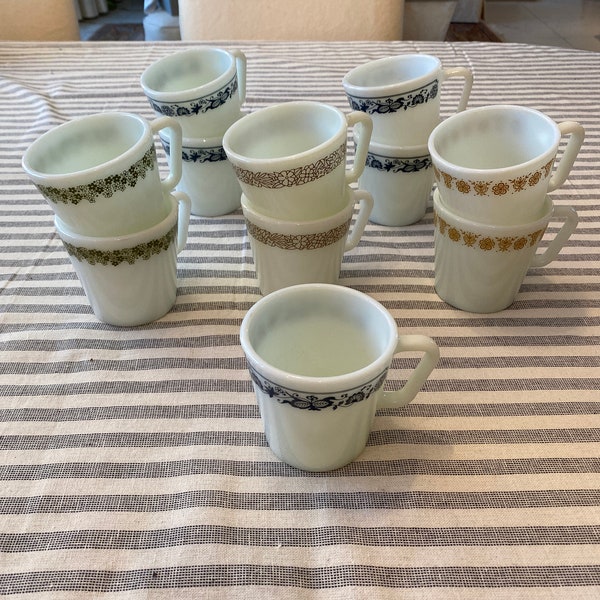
x=489, y=188
x=487, y=243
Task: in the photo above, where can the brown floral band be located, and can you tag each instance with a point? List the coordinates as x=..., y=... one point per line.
x=490, y=188
x=293, y=177
x=125, y=255
x=487, y=243
x=308, y=241
x=103, y=187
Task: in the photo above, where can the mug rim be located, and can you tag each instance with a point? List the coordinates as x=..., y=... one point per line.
x=119, y=241
x=374, y=91
x=295, y=226
x=389, y=151
x=239, y=128
x=187, y=93
x=442, y=209
x=310, y=383
x=77, y=177
x=444, y=164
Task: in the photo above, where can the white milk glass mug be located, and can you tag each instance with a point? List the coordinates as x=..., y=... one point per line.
x=318, y=356
x=479, y=268
x=207, y=177
x=203, y=88
x=400, y=180
x=290, y=158
x=100, y=175
x=288, y=253
x=402, y=95
x=495, y=164
x=132, y=279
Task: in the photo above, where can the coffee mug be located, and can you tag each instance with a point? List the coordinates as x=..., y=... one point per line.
x=100, y=174
x=400, y=180
x=132, y=279
x=495, y=164
x=402, y=95
x=207, y=177
x=479, y=268
x=288, y=253
x=290, y=158
x=318, y=356
x=203, y=88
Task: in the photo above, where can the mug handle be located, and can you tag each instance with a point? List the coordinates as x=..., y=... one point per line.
x=576, y=134
x=467, y=75
x=363, y=128
x=240, y=61
x=175, y=141
x=430, y=358
x=184, y=210
x=571, y=218
x=364, y=212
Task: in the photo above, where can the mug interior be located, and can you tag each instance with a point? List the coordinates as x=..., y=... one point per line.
x=186, y=70
x=283, y=131
x=494, y=139
x=311, y=331
x=393, y=70
x=84, y=144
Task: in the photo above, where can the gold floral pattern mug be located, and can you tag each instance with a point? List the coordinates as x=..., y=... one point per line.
x=495, y=164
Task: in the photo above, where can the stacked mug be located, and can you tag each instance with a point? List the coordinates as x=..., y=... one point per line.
x=402, y=96
x=121, y=225
x=494, y=167
x=290, y=160
x=204, y=90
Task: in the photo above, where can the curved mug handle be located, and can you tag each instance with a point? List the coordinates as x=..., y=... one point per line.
x=175, y=141
x=240, y=62
x=184, y=210
x=576, y=134
x=364, y=212
x=467, y=75
x=430, y=358
x=363, y=128
x=571, y=218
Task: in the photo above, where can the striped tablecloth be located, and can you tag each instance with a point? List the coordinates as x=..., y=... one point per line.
x=133, y=460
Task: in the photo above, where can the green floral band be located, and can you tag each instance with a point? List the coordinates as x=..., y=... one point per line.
x=125, y=255
x=103, y=187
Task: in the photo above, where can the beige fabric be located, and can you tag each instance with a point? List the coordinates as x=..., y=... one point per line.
x=286, y=20
x=51, y=20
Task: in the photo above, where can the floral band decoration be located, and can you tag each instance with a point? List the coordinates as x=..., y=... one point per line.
x=490, y=188
x=125, y=255
x=293, y=177
x=197, y=106
x=317, y=402
x=198, y=155
x=308, y=241
x=487, y=243
x=103, y=187
x=391, y=164
x=392, y=104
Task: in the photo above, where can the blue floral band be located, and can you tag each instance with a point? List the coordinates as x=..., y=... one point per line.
x=198, y=155
x=317, y=402
x=391, y=164
x=392, y=104
x=196, y=106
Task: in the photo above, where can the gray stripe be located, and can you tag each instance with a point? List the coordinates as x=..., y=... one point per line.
x=290, y=577
x=241, y=438
x=296, y=502
x=414, y=537
x=391, y=468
